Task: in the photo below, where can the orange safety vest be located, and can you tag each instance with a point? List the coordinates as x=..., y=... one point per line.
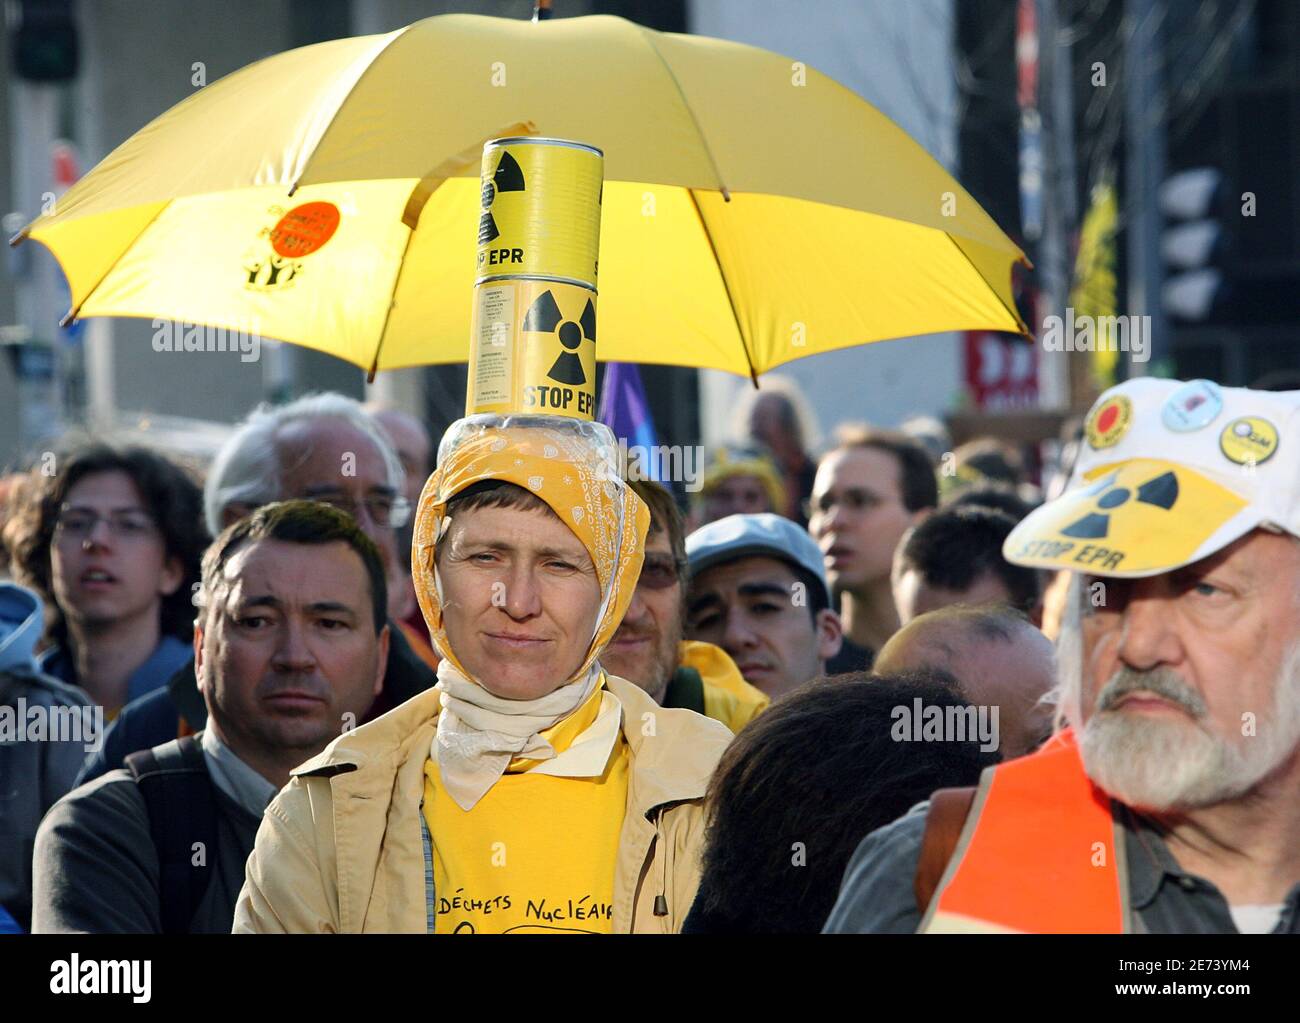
x=1040, y=853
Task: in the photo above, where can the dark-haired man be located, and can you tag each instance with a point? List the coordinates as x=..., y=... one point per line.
x=758, y=590
x=870, y=488
x=289, y=649
x=955, y=557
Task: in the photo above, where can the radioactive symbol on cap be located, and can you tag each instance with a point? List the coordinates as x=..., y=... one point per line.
x=544, y=316
x=508, y=177
x=1160, y=492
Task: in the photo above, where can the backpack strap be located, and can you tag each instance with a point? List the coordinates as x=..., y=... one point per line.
x=177, y=790
x=949, y=809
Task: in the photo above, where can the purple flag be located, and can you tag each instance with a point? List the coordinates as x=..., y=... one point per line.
x=624, y=409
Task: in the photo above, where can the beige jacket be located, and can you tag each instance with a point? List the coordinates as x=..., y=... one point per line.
x=341, y=848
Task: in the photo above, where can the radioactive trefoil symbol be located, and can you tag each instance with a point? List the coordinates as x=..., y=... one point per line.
x=544, y=317
x=508, y=177
x=1160, y=492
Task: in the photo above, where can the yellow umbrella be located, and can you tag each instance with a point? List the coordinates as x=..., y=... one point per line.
x=754, y=211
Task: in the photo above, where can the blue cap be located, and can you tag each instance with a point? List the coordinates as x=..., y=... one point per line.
x=765, y=535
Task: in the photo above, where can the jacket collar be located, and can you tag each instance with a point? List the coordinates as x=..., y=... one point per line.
x=670, y=764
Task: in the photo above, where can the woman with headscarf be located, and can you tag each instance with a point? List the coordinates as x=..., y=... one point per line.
x=529, y=791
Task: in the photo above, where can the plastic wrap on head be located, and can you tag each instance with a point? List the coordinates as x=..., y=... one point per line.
x=572, y=465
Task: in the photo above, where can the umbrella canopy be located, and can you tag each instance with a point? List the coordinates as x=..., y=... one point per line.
x=754, y=210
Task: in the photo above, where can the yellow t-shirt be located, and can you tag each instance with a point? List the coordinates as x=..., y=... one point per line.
x=537, y=853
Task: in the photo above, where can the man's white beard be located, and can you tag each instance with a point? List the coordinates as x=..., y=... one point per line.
x=1161, y=765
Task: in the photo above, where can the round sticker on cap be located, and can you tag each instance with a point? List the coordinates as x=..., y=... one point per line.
x=1192, y=406
x=1109, y=421
x=1248, y=440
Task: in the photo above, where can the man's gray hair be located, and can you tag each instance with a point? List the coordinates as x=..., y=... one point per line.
x=247, y=469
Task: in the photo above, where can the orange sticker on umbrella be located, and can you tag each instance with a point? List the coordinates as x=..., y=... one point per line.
x=304, y=229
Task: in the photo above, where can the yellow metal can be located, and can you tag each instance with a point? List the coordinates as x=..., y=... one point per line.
x=540, y=210
x=533, y=348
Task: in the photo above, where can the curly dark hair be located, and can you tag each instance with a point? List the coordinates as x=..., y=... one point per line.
x=171, y=495
x=804, y=783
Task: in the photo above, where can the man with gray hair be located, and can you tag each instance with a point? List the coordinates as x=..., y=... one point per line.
x=322, y=447
x=1169, y=801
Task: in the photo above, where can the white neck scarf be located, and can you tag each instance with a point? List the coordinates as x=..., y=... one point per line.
x=479, y=734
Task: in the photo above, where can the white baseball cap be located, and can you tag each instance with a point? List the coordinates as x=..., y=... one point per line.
x=1169, y=472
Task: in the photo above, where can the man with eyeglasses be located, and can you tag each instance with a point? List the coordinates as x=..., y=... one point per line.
x=870, y=489
x=322, y=447
x=648, y=648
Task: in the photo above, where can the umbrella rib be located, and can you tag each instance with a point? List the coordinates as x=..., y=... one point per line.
x=717, y=173
x=74, y=312
x=726, y=286
x=396, y=35
x=388, y=313
x=1015, y=313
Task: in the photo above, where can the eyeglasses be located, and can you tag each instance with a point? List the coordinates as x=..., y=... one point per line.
x=129, y=525
x=659, y=573
x=853, y=500
x=388, y=511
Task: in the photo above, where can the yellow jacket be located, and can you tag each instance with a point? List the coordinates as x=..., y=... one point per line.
x=341, y=848
x=727, y=696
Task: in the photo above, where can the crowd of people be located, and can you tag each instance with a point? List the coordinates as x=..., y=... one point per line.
x=871, y=684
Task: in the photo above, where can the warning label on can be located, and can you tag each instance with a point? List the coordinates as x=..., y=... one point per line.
x=534, y=349
x=493, y=346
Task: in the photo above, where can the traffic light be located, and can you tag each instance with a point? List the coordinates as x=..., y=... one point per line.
x=1192, y=244
x=45, y=45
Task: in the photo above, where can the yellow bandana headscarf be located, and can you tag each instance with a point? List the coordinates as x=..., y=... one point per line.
x=570, y=464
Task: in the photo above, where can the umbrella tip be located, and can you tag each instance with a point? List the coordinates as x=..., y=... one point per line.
x=541, y=10
x=15, y=239
x=68, y=317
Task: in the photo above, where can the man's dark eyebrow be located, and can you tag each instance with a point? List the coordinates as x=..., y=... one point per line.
x=763, y=589
x=259, y=600
x=329, y=488
x=832, y=495
x=276, y=604
x=331, y=607
x=703, y=601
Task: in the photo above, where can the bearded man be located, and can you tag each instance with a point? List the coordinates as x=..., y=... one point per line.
x=1170, y=800
x=529, y=791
